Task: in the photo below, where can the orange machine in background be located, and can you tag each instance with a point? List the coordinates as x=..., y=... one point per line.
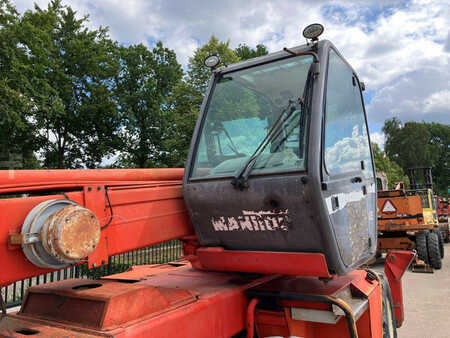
x=401, y=225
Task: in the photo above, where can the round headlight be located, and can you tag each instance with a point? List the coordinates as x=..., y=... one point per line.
x=313, y=31
x=212, y=61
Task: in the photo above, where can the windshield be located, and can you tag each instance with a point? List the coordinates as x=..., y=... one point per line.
x=433, y=201
x=424, y=198
x=243, y=107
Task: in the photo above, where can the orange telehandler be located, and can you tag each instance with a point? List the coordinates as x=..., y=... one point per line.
x=276, y=212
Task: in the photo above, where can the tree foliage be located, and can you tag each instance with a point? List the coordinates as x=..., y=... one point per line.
x=71, y=97
x=384, y=164
x=198, y=73
x=420, y=144
x=245, y=52
x=188, y=94
x=68, y=70
x=145, y=80
x=17, y=139
x=184, y=105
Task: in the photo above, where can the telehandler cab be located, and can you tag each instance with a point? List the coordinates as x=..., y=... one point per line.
x=276, y=211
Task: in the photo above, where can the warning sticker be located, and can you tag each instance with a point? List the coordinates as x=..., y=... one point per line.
x=388, y=207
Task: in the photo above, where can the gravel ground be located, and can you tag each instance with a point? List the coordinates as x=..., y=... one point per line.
x=427, y=302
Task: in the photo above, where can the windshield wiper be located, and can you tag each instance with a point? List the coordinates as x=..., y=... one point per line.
x=240, y=179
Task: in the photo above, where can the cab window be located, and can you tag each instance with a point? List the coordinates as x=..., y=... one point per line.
x=346, y=137
x=244, y=105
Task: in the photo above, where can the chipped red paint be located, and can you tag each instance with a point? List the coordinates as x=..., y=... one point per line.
x=397, y=261
x=167, y=300
x=265, y=262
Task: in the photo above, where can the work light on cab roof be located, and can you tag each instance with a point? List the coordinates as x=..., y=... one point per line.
x=212, y=61
x=313, y=31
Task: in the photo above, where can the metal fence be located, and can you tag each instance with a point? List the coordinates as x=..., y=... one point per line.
x=155, y=254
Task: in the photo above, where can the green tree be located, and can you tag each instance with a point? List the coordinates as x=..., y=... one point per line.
x=186, y=99
x=440, y=140
x=420, y=144
x=144, y=82
x=198, y=73
x=244, y=52
x=384, y=164
x=70, y=68
x=184, y=105
x=17, y=128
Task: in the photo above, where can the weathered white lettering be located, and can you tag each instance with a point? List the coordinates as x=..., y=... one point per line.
x=253, y=221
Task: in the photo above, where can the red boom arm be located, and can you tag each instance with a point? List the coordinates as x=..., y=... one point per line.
x=147, y=205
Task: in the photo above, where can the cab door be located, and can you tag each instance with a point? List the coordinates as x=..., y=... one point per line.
x=347, y=172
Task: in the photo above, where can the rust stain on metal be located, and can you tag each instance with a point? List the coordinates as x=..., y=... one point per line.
x=16, y=239
x=100, y=305
x=71, y=234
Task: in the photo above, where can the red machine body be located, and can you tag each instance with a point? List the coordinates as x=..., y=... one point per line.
x=148, y=208
x=298, y=297
x=442, y=209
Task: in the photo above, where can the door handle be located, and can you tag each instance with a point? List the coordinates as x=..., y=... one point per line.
x=356, y=179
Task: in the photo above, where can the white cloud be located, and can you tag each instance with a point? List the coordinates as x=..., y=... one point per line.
x=421, y=94
x=438, y=101
x=377, y=138
x=400, y=49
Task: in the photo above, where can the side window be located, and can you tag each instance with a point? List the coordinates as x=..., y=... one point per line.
x=346, y=137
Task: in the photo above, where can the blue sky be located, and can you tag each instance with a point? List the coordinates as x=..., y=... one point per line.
x=400, y=49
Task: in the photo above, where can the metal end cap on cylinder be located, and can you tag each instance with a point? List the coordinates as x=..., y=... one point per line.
x=71, y=233
x=61, y=233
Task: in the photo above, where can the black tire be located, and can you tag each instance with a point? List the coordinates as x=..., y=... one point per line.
x=389, y=322
x=421, y=246
x=446, y=234
x=440, y=240
x=434, y=254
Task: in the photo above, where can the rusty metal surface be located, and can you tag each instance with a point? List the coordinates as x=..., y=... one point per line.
x=402, y=243
x=72, y=233
x=181, y=303
x=56, y=233
x=14, y=326
x=100, y=304
x=19, y=239
x=36, y=222
x=391, y=227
